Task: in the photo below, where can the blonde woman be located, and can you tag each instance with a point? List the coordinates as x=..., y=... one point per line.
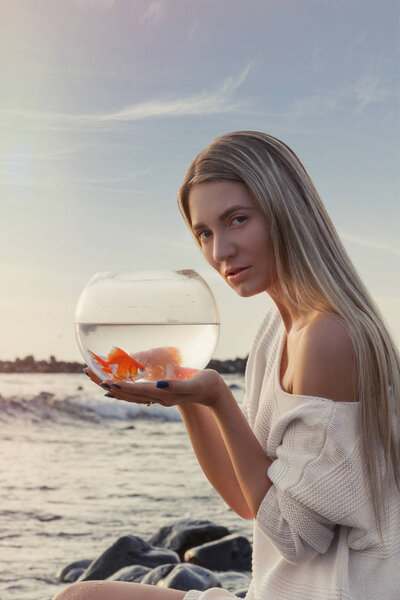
x=315, y=461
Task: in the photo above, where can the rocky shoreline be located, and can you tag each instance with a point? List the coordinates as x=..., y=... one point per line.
x=30, y=365
x=185, y=555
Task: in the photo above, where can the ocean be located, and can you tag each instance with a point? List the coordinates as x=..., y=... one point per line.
x=79, y=470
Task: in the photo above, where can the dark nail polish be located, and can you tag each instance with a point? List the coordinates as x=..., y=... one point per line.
x=109, y=395
x=84, y=370
x=162, y=384
x=116, y=385
x=105, y=386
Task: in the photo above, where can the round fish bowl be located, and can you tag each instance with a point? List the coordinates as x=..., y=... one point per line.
x=146, y=325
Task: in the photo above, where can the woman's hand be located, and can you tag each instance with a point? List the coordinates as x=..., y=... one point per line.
x=202, y=388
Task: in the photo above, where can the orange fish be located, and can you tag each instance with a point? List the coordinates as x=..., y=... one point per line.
x=155, y=364
x=159, y=363
x=118, y=364
x=127, y=366
x=184, y=372
x=104, y=365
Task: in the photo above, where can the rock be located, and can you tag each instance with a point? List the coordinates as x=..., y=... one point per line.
x=185, y=534
x=65, y=573
x=234, y=580
x=189, y=577
x=74, y=574
x=127, y=550
x=134, y=573
x=241, y=593
x=155, y=575
x=232, y=552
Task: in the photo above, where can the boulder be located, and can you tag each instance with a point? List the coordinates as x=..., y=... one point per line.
x=134, y=573
x=231, y=553
x=241, y=593
x=67, y=573
x=185, y=534
x=126, y=551
x=155, y=575
x=189, y=577
x=234, y=580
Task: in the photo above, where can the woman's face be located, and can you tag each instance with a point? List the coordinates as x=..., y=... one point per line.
x=233, y=235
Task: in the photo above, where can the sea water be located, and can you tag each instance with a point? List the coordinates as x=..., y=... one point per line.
x=78, y=470
x=195, y=341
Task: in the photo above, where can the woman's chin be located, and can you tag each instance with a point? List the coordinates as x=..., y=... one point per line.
x=246, y=292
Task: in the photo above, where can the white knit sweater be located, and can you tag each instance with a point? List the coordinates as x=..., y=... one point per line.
x=315, y=536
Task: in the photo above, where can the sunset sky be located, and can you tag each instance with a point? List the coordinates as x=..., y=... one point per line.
x=104, y=104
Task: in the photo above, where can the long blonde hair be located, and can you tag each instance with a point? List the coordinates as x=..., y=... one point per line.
x=314, y=272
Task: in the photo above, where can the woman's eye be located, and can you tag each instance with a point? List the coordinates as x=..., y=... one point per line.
x=241, y=218
x=203, y=234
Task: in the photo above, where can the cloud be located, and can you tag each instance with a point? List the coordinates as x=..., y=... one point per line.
x=220, y=101
x=353, y=47
x=371, y=244
x=153, y=13
x=367, y=90
x=206, y=103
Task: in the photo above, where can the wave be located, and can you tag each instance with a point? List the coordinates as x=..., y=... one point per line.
x=46, y=406
x=72, y=398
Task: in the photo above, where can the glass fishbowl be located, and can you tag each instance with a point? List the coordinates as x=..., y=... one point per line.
x=146, y=325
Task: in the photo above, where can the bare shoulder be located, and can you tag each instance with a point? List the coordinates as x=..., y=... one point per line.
x=326, y=361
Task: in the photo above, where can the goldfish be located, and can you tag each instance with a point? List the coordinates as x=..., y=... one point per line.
x=119, y=364
x=152, y=365
x=159, y=363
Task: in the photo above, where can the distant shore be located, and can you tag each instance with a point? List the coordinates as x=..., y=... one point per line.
x=30, y=365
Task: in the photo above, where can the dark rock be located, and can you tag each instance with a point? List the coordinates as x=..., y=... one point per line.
x=241, y=593
x=185, y=534
x=234, y=580
x=234, y=386
x=79, y=388
x=232, y=552
x=155, y=575
x=62, y=574
x=74, y=574
x=189, y=577
x=127, y=550
x=135, y=573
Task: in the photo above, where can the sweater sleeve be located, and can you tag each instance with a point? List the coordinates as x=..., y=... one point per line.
x=317, y=478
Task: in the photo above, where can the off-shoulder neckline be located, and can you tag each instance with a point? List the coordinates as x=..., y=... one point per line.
x=283, y=336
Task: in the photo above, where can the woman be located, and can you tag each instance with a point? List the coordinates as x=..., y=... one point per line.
x=315, y=462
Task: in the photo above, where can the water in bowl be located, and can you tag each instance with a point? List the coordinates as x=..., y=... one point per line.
x=191, y=342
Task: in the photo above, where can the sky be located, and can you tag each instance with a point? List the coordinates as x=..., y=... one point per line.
x=105, y=103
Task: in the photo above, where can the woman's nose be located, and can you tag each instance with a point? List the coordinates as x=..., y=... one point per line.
x=223, y=248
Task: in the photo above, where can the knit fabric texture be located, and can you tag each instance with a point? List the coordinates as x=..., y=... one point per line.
x=315, y=535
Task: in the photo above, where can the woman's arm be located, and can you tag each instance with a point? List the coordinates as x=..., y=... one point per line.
x=249, y=460
x=211, y=452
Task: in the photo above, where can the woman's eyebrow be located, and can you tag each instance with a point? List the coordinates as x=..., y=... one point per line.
x=223, y=215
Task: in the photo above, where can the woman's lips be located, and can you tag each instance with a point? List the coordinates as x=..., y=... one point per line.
x=239, y=275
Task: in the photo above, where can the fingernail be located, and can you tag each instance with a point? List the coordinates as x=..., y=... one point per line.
x=105, y=386
x=162, y=384
x=109, y=395
x=116, y=385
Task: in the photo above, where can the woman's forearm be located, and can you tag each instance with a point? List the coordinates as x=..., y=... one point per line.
x=248, y=458
x=211, y=452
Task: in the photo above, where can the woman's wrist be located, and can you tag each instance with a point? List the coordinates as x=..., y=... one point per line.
x=213, y=389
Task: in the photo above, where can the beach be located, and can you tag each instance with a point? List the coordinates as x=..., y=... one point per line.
x=79, y=470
